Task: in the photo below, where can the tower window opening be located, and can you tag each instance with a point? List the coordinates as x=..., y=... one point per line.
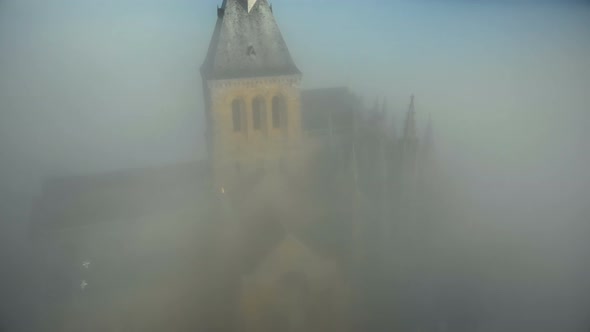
x=237, y=114
x=256, y=118
x=279, y=112
x=258, y=113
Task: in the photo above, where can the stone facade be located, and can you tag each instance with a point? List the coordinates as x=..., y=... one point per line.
x=238, y=152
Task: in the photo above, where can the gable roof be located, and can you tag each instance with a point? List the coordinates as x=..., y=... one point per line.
x=247, y=44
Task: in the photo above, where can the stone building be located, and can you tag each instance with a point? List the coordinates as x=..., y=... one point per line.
x=281, y=228
x=251, y=89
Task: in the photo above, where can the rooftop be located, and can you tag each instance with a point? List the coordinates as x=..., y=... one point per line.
x=247, y=43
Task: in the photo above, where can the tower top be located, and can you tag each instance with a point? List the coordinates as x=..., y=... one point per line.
x=250, y=4
x=247, y=42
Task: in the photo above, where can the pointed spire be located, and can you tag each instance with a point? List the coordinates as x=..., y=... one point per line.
x=409, y=140
x=410, y=124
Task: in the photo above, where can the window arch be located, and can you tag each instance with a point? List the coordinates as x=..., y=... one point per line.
x=279, y=112
x=238, y=118
x=258, y=113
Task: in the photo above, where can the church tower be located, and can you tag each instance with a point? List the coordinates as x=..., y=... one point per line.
x=252, y=96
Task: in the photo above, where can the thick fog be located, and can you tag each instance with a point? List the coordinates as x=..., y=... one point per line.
x=88, y=87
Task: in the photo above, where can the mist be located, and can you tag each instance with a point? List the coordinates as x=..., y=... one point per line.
x=89, y=88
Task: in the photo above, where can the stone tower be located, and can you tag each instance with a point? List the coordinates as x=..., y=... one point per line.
x=252, y=96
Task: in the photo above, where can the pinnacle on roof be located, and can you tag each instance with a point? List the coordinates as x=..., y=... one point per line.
x=410, y=124
x=249, y=4
x=247, y=42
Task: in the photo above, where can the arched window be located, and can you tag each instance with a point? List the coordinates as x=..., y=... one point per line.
x=258, y=113
x=237, y=108
x=279, y=112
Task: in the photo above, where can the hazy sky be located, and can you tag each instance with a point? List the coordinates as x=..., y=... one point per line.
x=88, y=85
x=93, y=85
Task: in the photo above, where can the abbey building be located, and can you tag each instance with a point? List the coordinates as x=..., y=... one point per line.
x=280, y=229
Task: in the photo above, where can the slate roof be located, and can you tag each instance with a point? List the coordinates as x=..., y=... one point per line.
x=247, y=44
